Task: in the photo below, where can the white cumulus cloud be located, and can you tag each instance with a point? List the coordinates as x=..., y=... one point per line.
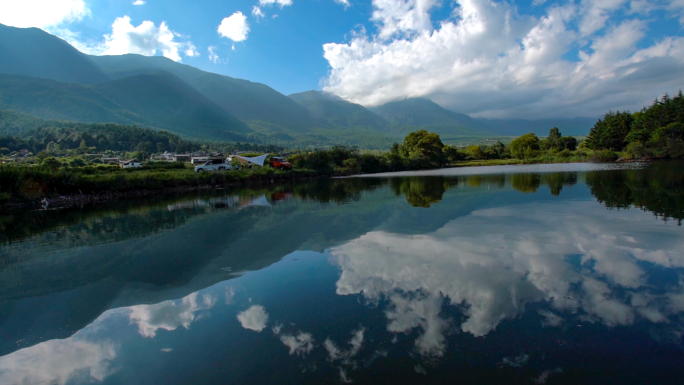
x=58, y=362
x=489, y=60
x=169, y=315
x=301, y=344
x=257, y=13
x=254, y=318
x=138, y=2
x=214, y=58
x=41, y=13
x=492, y=277
x=395, y=16
x=234, y=27
x=146, y=39
x=281, y=3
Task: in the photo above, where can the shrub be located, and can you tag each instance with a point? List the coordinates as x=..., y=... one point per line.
x=564, y=154
x=528, y=143
x=604, y=156
x=637, y=150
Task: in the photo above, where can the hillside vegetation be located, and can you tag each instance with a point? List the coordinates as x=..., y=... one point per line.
x=43, y=76
x=160, y=100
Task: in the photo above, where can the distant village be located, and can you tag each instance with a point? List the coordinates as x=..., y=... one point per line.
x=200, y=157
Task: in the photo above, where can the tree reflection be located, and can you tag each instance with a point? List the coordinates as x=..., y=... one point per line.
x=658, y=188
x=527, y=183
x=557, y=180
x=422, y=191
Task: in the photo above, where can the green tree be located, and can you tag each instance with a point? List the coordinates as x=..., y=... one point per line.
x=475, y=152
x=553, y=141
x=394, y=158
x=524, y=146
x=610, y=132
x=82, y=148
x=453, y=154
x=660, y=114
x=52, y=148
x=42, y=156
x=424, y=148
x=51, y=163
x=498, y=148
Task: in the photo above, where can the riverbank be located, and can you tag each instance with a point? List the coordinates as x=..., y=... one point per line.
x=35, y=188
x=40, y=188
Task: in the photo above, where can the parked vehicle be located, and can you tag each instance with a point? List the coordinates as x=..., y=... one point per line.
x=214, y=165
x=280, y=162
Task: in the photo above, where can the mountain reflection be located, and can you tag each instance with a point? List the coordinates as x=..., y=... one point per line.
x=420, y=261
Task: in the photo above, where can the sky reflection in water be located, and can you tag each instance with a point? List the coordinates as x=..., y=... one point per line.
x=517, y=278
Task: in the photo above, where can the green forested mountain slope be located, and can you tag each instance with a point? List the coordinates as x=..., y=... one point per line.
x=160, y=100
x=167, y=101
x=249, y=101
x=408, y=114
x=337, y=112
x=34, y=52
x=123, y=66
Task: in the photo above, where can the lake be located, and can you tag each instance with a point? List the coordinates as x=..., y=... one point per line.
x=541, y=274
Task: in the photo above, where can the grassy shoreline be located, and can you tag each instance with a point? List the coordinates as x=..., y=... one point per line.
x=35, y=187
x=31, y=188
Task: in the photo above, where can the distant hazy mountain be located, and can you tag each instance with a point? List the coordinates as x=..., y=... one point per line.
x=517, y=127
x=123, y=66
x=34, y=52
x=248, y=101
x=424, y=113
x=160, y=100
x=337, y=112
x=254, y=102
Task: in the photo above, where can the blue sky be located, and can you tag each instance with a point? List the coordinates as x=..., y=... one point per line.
x=285, y=52
x=486, y=58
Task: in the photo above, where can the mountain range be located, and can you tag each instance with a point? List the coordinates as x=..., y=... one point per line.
x=43, y=76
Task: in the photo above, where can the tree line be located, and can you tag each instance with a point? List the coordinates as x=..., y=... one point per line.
x=425, y=150
x=74, y=139
x=656, y=131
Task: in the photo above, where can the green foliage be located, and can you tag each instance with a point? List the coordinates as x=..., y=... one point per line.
x=453, y=154
x=661, y=113
x=604, y=156
x=637, y=150
x=58, y=138
x=610, y=132
x=475, y=152
x=424, y=149
x=654, y=131
x=30, y=182
x=524, y=146
x=51, y=163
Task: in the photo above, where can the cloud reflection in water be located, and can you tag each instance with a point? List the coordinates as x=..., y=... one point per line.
x=496, y=260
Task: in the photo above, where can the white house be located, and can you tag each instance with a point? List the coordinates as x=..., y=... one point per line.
x=130, y=163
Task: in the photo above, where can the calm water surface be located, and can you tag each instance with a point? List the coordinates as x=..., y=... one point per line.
x=554, y=274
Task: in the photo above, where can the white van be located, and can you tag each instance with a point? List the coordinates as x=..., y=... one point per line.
x=214, y=165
